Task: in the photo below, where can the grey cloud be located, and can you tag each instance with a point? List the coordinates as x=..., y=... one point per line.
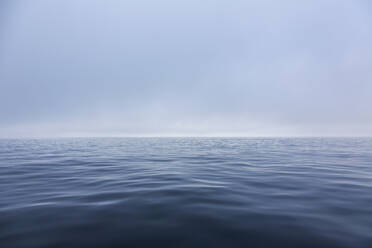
x=185, y=67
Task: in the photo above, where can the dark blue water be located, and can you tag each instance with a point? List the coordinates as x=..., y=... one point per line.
x=186, y=192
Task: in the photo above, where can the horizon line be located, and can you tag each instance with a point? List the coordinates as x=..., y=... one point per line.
x=182, y=136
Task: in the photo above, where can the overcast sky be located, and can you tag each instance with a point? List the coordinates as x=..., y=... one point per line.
x=194, y=68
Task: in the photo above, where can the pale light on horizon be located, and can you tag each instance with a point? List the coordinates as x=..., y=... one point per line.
x=185, y=68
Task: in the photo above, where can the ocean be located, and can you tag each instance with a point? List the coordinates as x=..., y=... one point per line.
x=186, y=192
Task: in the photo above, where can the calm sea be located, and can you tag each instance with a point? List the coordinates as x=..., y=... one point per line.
x=186, y=192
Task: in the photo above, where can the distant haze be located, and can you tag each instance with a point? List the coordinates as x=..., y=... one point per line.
x=185, y=68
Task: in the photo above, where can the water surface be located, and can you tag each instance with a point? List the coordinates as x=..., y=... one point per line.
x=186, y=192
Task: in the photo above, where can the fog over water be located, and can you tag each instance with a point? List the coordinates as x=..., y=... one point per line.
x=188, y=68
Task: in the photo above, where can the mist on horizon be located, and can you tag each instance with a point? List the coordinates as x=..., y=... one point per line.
x=185, y=68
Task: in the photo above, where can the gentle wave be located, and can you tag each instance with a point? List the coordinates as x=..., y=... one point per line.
x=186, y=192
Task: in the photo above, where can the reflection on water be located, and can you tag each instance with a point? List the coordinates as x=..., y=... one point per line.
x=186, y=192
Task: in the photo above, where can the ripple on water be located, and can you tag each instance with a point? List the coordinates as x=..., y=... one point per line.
x=186, y=192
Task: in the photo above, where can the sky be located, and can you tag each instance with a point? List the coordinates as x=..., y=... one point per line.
x=185, y=68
